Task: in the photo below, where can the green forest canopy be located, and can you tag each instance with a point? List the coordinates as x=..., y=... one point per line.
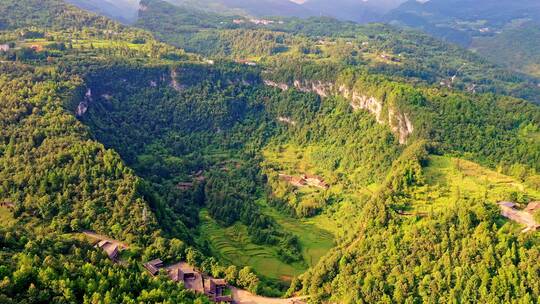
x=151, y=116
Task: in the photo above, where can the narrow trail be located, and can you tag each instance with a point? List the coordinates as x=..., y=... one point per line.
x=100, y=237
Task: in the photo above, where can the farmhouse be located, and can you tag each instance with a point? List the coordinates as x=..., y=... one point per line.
x=109, y=248
x=37, y=47
x=305, y=180
x=261, y=21
x=286, y=120
x=8, y=205
x=192, y=279
x=532, y=207
x=524, y=217
x=216, y=289
x=246, y=62
x=199, y=176
x=315, y=181
x=184, y=185
x=183, y=272
x=153, y=266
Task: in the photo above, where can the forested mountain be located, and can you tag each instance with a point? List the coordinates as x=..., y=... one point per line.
x=496, y=29
x=121, y=10
x=516, y=48
x=352, y=10
x=318, y=158
x=248, y=7
x=462, y=20
x=382, y=49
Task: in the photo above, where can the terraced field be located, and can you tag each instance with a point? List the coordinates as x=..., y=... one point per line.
x=453, y=177
x=315, y=240
x=233, y=245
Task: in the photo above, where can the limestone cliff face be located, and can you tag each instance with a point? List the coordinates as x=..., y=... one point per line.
x=398, y=121
x=174, y=81
x=83, y=105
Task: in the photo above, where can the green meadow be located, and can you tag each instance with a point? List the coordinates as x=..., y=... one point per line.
x=451, y=180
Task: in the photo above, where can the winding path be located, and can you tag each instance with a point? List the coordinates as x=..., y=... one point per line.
x=100, y=237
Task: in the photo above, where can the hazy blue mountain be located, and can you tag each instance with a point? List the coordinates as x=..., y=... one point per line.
x=517, y=48
x=249, y=7
x=121, y=10
x=353, y=10
x=461, y=21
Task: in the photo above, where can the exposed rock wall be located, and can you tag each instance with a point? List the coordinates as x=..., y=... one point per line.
x=174, y=81
x=398, y=121
x=83, y=105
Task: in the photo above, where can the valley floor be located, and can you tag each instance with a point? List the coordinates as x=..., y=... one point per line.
x=234, y=245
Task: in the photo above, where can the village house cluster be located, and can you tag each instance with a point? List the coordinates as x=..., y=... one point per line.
x=305, y=180
x=4, y=47
x=197, y=177
x=214, y=289
x=257, y=21
x=112, y=250
x=8, y=205
x=217, y=290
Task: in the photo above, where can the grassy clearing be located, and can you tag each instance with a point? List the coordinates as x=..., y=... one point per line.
x=451, y=180
x=234, y=245
x=6, y=217
x=295, y=160
x=315, y=240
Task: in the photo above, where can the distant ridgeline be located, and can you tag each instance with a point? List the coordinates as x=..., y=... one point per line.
x=368, y=133
x=402, y=54
x=504, y=31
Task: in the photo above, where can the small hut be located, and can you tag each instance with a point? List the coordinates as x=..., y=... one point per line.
x=153, y=266
x=110, y=249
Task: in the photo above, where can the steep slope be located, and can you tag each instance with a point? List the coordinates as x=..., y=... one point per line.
x=122, y=10
x=248, y=7
x=462, y=20
x=516, y=47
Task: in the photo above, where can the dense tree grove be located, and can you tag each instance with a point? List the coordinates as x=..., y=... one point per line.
x=50, y=167
x=51, y=269
x=104, y=128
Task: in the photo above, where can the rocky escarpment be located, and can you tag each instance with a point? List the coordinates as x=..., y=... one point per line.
x=398, y=121
x=175, y=84
x=322, y=89
x=83, y=105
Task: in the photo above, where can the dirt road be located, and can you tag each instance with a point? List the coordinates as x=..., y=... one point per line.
x=245, y=297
